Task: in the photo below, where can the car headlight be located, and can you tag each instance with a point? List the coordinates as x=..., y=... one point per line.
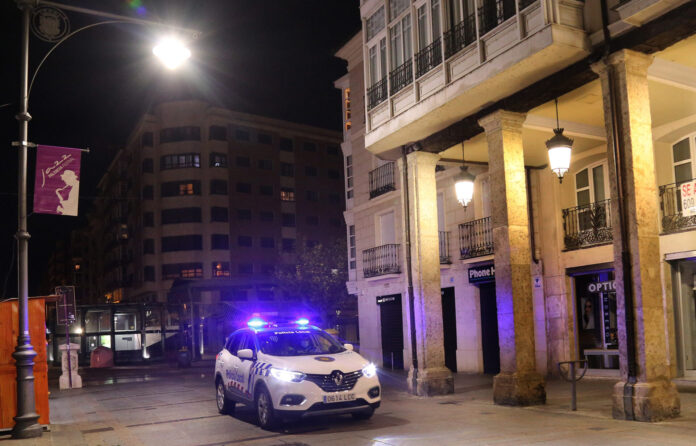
x=287, y=375
x=369, y=370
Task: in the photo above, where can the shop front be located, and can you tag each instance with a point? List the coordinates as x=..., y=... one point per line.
x=684, y=295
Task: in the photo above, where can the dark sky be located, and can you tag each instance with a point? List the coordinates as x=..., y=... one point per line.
x=268, y=57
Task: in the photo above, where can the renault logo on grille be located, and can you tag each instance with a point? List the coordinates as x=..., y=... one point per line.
x=337, y=377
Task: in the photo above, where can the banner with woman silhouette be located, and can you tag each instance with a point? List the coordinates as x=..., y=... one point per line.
x=57, y=182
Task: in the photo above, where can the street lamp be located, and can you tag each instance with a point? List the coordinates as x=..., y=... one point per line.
x=559, y=147
x=464, y=184
x=171, y=52
x=26, y=419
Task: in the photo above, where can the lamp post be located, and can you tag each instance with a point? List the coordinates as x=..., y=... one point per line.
x=26, y=419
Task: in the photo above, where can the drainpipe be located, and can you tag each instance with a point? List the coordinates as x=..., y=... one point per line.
x=530, y=209
x=617, y=155
x=409, y=273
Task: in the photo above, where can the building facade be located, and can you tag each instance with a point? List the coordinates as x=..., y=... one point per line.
x=533, y=271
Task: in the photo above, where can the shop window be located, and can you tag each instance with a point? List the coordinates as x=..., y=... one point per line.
x=596, y=319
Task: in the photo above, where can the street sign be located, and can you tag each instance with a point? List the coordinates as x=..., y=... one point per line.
x=65, y=307
x=688, y=198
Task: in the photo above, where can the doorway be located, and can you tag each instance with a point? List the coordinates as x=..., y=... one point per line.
x=449, y=328
x=391, y=319
x=684, y=289
x=489, y=329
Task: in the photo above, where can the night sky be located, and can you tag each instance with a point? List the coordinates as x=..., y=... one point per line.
x=268, y=57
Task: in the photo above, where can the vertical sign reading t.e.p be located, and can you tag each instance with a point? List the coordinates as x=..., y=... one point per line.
x=65, y=308
x=57, y=181
x=688, y=198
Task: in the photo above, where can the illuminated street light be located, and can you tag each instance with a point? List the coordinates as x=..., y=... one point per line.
x=172, y=52
x=559, y=147
x=464, y=184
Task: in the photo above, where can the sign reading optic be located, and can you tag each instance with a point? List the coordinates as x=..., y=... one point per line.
x=602, y=287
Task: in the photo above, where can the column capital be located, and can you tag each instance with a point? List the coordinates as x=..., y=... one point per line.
x=632, y=61
x=502, y=120
x=420, y=158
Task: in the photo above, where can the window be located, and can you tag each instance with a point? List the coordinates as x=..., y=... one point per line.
x=351, y=246
x=590, y=187
x=182, y=270
x=312, y=220
x=286, y=145
x=428, y=30
x=219, y=241
x=396, y=7
x=334, y=198
x=181, y=215
x=180, y=161
x=265, y=164
x=244, y=241
x=218, y=214
x=176, y=188
x=244, y=188
x=241, y=135
x=149, y=273
x=243, y=214
x=182, y=243
x=264, y=138
x=148, y=165
x=287, y=194
x=312, y=195
x=146, y=139
x=217, y=133
x=288, y=245
x=267, y=242
x=334, y=174
x=265, y=189
x=349, y=176
x=176, y=134
x=332, y=150
x=266, y=216
x=310, y=171
x=218, y=160
x=287, y=170
x=148, y=192
x=288, y=220
x=218, y=187
x=148, y=219
x=149, y=246
x=309, y=147
x=243, y=161
x=682, y=161
x=400, y=42
x=245, y=268
x=377, y=55
x=374, y=23
x=220, y=269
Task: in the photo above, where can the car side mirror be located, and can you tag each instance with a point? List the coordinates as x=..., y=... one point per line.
x=245, y=353
x=348, y=347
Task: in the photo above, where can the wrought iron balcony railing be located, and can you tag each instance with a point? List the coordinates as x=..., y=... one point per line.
x=401, y=76
x=476, y=238
x=444, y=247
x=461, y=36
x=381, y=260
x=377, y=94
x=428, y=58
x=587, y=225
x=382, y=180
x=494, y=12
x=673, y=219
x=525, y=3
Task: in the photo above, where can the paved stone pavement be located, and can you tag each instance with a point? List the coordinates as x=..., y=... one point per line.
x=163, y=406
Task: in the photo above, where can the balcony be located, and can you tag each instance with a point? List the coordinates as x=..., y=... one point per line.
x=428, y=58
x=381, y=260
x=672, y=216
x=475, y=238
x=461, y=36
x=401, y=76
x=494, y=12
x=445, y=258
x=377, y=94
x=382, y=180
x=587, y=225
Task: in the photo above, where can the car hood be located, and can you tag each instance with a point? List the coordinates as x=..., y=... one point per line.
x=347, y=361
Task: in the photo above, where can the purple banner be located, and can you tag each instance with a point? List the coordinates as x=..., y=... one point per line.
x=57, y=182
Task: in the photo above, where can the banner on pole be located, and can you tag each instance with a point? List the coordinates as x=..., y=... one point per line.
x=57, y=180
x=65, y=308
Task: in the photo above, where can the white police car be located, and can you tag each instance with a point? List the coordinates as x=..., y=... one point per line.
x=291, y=371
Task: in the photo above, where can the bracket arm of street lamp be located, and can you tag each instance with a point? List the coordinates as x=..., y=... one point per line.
x=34, y=145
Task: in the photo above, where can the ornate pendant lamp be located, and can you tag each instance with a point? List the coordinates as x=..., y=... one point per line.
x=559, y=147
x=464, y=184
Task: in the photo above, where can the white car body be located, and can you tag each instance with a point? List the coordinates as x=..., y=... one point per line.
x=332, y=383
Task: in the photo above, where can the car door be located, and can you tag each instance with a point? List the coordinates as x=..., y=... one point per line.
x=230, y=363
x=246, y=365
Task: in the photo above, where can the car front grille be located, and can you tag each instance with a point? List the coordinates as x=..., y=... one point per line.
x=327, y=384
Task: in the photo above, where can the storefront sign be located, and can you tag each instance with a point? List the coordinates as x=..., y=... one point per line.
x=393, y=298
x=688, y=198
x=602, y=287
x=484, y=273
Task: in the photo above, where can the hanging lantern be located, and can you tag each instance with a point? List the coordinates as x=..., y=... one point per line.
x=559, y=147
x=464, y=187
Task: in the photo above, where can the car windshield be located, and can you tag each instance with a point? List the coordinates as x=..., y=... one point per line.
x=298, y=342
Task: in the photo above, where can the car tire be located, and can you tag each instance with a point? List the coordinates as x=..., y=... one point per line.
x=366, y=415
x=264, y=410
x=225, y=405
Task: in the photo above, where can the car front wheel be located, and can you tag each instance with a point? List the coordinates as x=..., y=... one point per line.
x=264, y=410
x=224, y=404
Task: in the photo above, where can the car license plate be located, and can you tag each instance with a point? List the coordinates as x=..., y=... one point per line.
x=339, y=397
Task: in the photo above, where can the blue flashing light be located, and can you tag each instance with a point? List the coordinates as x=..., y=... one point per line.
x=256, y=322
x=302, y=321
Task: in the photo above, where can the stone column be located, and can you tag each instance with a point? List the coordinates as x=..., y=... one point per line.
x=433, y=378
x=649, y=396
x=518, y=383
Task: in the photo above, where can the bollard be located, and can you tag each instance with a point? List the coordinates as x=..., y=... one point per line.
x=573, y=380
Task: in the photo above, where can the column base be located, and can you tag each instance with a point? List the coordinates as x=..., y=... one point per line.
x=27, y=426
x=519, y=389
x=431, y=382
x=649, y=401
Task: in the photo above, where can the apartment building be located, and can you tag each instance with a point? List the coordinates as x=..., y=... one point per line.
x=532, y=271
